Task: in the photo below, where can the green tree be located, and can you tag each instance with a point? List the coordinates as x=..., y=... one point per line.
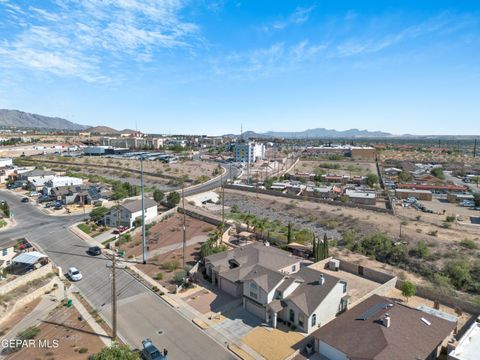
x=477, y=199
x=421, y=250
x=248, y=218
x=438, y=173
x=372, y=179
x=98, y=213
x=289, y=233
x=268, y=183
x=158, y=195
x=408, y=289
x=116, y=352
x=459, y=273
x=173, y=198
x=260, y=225
x=314, y=245
x=405, y=176
x=325, y=246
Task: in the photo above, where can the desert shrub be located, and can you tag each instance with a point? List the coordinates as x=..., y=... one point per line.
x=468, y=244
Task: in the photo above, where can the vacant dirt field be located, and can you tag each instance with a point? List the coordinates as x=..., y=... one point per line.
x=76, y=338
x=445, y=240
x=425, y=157
x=169, y=263
x=166, y=233
x=351, y=168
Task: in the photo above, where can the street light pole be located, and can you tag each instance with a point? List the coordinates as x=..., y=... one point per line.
x=184, y=227
x=144, y=237
x=114, y=300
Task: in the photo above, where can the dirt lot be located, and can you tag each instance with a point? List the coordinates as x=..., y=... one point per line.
x=168, y=264
x=425, y=157
x=76, y=338
x=350, y=168
x=18, y=315
x=444, y=244
x=168, y=232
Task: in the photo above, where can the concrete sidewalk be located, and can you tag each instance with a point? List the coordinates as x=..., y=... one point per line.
x=199, y=319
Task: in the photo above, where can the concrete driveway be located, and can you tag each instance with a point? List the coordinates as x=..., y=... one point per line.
x=238, y=323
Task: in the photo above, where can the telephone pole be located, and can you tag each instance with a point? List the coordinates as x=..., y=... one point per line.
x=144, y=237
x=184, y=227
x=114, y=301
x=223, y=199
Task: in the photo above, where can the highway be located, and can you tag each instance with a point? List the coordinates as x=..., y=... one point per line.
x=141, y=313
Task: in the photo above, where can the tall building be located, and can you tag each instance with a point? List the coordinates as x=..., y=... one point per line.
x=249, y=152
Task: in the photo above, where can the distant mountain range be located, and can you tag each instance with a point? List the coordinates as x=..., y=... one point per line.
x=318, y=133
x=20, y=119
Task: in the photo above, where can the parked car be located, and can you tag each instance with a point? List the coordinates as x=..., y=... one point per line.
x=25, y=200
x=74, y=274
x=151, y=352
x=58, y=207
x=94, y=250
x=34, y=193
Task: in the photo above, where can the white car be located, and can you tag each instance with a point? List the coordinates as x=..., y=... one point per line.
x=74, y=274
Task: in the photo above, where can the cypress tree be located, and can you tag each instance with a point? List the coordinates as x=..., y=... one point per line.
x=289, y=233
x=325, y=246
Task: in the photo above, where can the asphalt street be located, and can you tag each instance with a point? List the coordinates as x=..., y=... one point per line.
x=141, y=313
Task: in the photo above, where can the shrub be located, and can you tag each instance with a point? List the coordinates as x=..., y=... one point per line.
x=450, y=218
x=159, y=276
x=83, y=350
x=446, y=225
x=171, y=265
x=179, y=277
x=469, y=244
x=459, y=273
x=433, y=233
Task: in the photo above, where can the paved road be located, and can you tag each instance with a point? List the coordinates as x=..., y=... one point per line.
x=141, y=313
x=232, y=172
x=473, y=187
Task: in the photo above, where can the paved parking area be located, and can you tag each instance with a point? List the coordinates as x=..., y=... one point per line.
x=207, y=301
x=239, y=322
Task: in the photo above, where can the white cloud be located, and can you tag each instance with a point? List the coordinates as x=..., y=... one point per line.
x=80, y=39
x=298, y=17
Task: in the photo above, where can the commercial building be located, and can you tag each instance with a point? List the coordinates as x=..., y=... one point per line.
x=60, y=181
x=425, y=195
x=249, y=152
x=361, y=197
x=456, y=198
x=275, y=287
x=103, y=150
x=366, y=153
x=381, y=329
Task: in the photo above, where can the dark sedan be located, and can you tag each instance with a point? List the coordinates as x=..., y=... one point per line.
x=94, y=251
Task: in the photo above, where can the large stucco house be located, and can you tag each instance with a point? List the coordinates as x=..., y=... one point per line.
x=276, y=287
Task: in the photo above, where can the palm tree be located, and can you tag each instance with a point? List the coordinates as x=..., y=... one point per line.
x=248, y=218
x=260, y=225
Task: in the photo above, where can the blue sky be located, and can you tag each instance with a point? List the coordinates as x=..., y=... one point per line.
x=206, y=67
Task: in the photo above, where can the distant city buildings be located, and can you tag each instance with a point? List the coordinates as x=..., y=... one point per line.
x=249, y=152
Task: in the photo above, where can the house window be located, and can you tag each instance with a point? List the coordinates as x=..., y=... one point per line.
x=4, y=252
x=343, y=305
x=301, y=319
x=294, y=268
x=253, y=290
x=292, y=316
x=314, y=319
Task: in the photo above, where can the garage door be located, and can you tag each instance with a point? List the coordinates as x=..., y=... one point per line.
x=255, y=309
x=229, y=287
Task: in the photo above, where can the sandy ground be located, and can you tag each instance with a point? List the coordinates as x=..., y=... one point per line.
x=363, y=222
x=73, y=334
x=272, y=344
x=346, y=167
x=154, y=267
x=18, y=315
x=420, y=156
x=167, y=232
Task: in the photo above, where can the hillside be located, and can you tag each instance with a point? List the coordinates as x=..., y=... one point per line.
x=20, y=119
x=318, y=133
x=102, y=130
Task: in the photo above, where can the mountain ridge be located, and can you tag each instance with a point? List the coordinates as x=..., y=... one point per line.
x=21, y=119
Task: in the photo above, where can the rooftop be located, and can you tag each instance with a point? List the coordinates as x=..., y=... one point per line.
x=136, y=205
x=360, y=334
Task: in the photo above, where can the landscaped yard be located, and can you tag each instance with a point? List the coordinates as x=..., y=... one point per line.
x=272, y=344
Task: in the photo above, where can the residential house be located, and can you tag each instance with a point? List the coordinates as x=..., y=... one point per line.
x=126, y=213
x=7, y=253
x=275, y=287
x=60, y=181
x=37, y=178
x=468, y=346
x=361, y=197
x=78, y=194
x=381, y=329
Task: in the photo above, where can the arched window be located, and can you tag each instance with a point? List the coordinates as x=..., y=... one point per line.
x=292, y=315
x=314, y=319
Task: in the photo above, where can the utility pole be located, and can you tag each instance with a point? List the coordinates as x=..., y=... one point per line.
x=223, y=200
x=184, y=227
x=114, y=301
x=144, y=237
